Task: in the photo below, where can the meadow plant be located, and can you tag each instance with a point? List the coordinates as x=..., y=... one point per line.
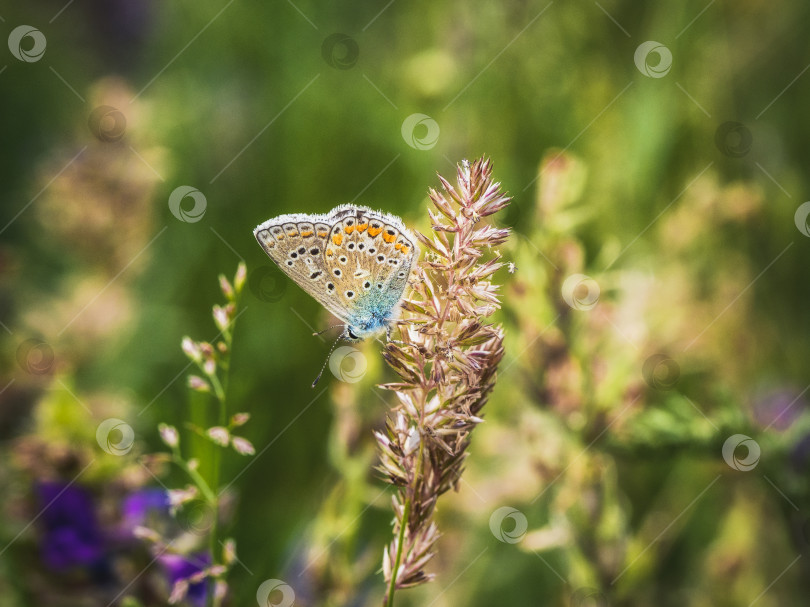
x=200, y=501
x=446, y=359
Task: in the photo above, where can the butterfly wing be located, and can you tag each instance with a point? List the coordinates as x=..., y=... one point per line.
x=371, y=254
x=296, y=243
x=354, y=261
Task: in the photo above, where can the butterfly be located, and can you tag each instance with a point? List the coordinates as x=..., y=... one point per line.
x=354, y=260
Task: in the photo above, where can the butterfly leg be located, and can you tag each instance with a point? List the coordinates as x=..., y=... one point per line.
x=398, y=342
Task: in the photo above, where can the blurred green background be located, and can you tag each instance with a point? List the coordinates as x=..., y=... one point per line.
x=673, y=191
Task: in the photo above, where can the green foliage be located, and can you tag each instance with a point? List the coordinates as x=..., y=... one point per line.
x=617, y=176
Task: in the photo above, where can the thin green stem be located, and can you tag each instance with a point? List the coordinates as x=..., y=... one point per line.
x=392, y=588
x=219, y=391
x=213, y=599
x=213, y=538
x=406, y=512
x=195, y=476
x=210, y=489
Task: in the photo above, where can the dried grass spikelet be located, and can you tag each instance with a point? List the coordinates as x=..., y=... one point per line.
x=446, y=360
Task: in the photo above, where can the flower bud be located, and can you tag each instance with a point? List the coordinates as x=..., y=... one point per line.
x=178, y=497
x=239, y=278
x=169, y=435
x=242, y=446
x=219, y=435
x=221, y=318
x=239, y=419
x=210, y=366
x=229, y=551
x=197, y=383
x=225, y=286
x=192, y=349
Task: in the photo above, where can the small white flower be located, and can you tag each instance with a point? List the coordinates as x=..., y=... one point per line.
x=179, y=592
x=169, y=435
x=178, y=497
x=240, y=419
x=242, y=446
x=145, y=533
x=210, y=366
x=239, y=278
x=219, y=435
x=229, y=551
x=214, y=571
x=192, y=349
x=197, y=383
x=220, y=589
x=221, y=317
x=225, y=287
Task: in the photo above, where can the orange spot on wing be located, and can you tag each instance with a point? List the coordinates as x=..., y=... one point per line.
x=329, y=252
x=362, y=227
x=337, y=239
x=321, y=234
x=374, y=231
x=279, y=236
x=349, y=229
x=398, y=246
x=405, y=249
x=292, y=233
x=307, y=234
x=388, y=238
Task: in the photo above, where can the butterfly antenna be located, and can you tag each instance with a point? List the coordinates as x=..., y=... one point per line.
x=326, y=362
x=327, y=329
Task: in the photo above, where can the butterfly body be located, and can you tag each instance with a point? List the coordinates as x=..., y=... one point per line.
x=354, y=260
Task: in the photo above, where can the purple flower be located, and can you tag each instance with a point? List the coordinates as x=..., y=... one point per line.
x=142, y=507
x=183, y=567
x=71, y=535
x=778, y=409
